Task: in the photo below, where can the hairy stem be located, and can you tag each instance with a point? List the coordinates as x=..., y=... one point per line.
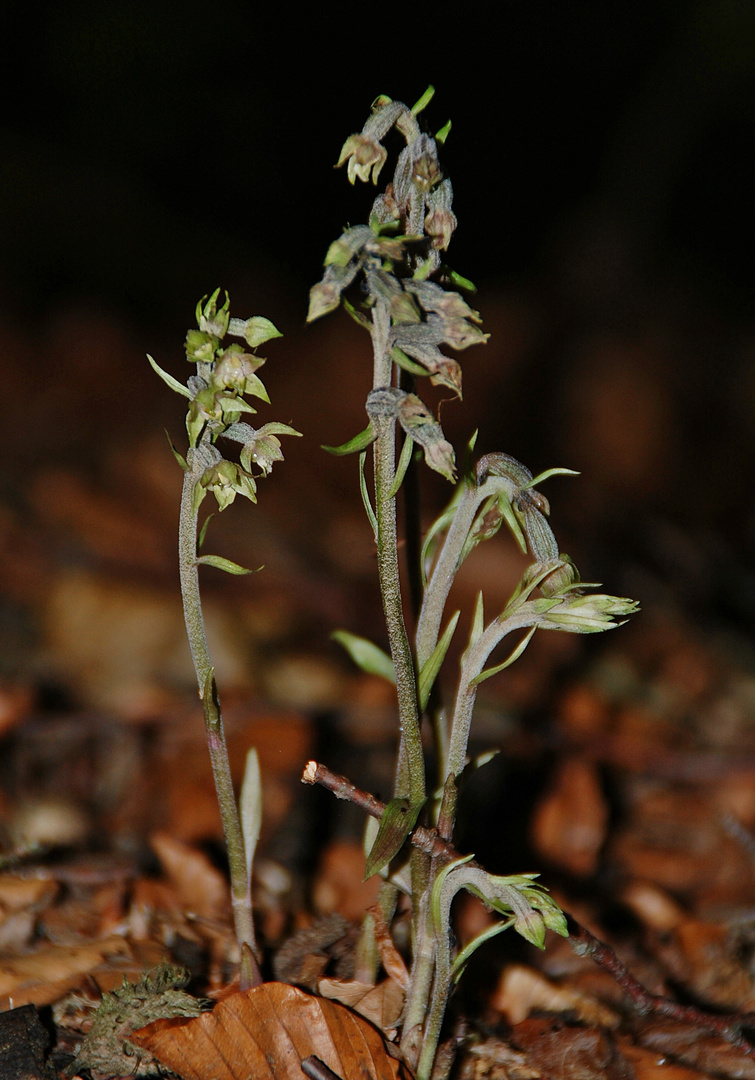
x=221, y=770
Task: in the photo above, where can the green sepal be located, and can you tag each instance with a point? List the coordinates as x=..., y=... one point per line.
x=424, y=101
x=174, y=384
x=397, y=821
x=359, y=442
x=461, y=282
x=366, y=655
x=403, y=464
x=356, y=315
x=507, y=662
x=432, y=665
x=224, y=564
x=442, y=135
x=398, y=356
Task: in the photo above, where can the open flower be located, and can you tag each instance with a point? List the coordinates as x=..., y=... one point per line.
x=365, y=155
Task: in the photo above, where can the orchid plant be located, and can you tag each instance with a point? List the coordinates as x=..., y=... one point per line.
x=411, y=305
x=226, y=374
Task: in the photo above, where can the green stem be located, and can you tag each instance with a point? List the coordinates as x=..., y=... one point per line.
x=198, y=459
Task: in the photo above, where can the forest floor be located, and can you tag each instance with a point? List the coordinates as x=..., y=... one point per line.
x=625, y=776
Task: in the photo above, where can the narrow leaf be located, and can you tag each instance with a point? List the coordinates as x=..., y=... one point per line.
x=174, y=384
x=432, y=665
x=397, y=821
x=457, y=968
x=179, y=457
x=203, y=531
x=403, y=464
x=359, y=442
x=506, y=663
x=250, y=808
x=545, y=475
x=224, y=564
x=478, y=621
x=366, y=655
x=366, y=495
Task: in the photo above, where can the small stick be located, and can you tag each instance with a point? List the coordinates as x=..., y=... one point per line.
x=581, y=940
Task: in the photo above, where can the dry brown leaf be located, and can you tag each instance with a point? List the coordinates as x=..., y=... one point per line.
x=570, y=822
x=390, y=957
x=46, y=975
x=570, y=1053
x=18, y=893
x=521, y=990
x=266, y=1033
x=339, y=885
x=688, y=1045
x=650, y=1065
x=382, y=1005
x=200, y=887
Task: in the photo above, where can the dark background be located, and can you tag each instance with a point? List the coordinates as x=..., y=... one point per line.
x=601, y=155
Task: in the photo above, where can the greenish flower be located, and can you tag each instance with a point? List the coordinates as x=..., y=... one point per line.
x=226, y=480
x=211, y=319
x=365, y=156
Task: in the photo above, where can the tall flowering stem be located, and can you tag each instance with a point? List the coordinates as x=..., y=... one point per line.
x=411, y=310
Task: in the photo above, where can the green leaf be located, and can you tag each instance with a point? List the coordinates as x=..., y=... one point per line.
x=366, y=495
x=457, y=968
x=435, y=896
x=509, y=660
x=179, y=457
x=366, y=655
x=403, y=464
x=250, y=808
x=478, y=621
x=545, y=475
x=359, y=442
x=174, y=384
x=224, y=564
x=397, y=821
x=432, y=665
x=203, y=531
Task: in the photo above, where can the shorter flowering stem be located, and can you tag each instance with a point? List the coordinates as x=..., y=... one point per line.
x=221, y=769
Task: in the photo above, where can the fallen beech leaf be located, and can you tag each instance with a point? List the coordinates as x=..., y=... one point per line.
x=570, y=822
x=562, y=1052
x=45, y=976
x=390, y=957
x=650, y=1065
x=522, y=990
x=199, y=886
x=266, y=1033
x=382, y=1005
